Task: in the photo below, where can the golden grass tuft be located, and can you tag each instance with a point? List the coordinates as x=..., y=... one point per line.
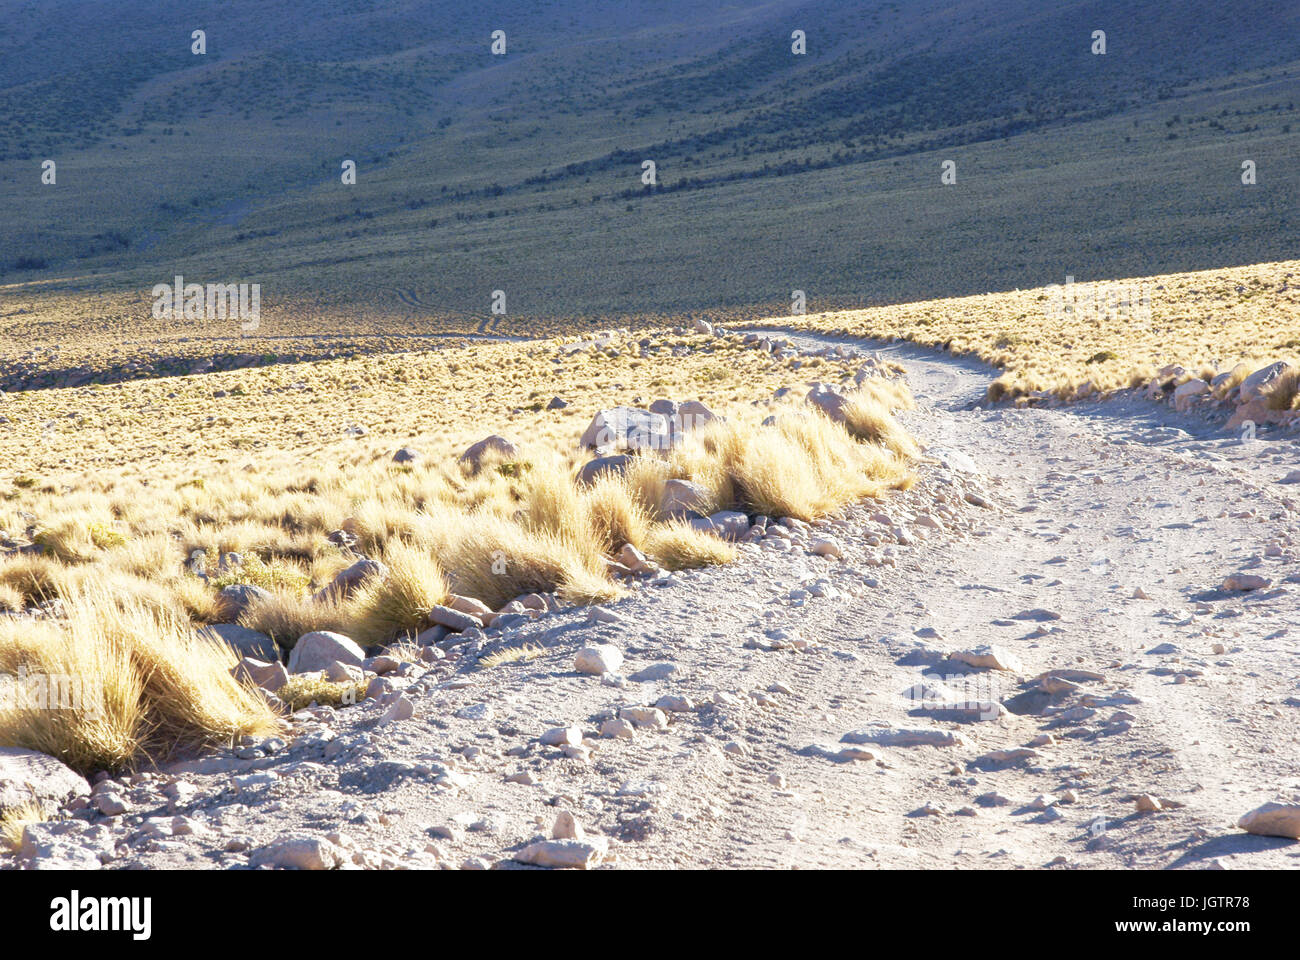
x=397, y=605
x=677, y=545
x=307, y=688
x=521, y=654
x=617, y=513
x=1284, y=392
x=869, y=417
x=284, y=617
x=13, y=820
x=132, y=682
x=803, y=466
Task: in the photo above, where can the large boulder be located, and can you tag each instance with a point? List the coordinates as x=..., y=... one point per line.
x=1253, y=387
x=683, y=498
x=27, y=776
x=627, y=428
x=270, y=676
x=664, y=406
x=828, y=400
x=494, y=444
x=346, y=582
x=317, y=650
x=593, y=468
x=245, y=642
x=236, y=598
x=1273, y=820
x=407, y=455
x=1185, y=393
x=727, y=524
x=691, y=415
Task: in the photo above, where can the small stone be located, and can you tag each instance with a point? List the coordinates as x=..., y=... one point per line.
x=598, y=659
x=562, y=736
x=401, y=709
x=988, y=657
x=298, y=853
x=644, y=717
x=826, y=548
x=110, y=804
x=621, y=729
x=565, y=854
x=566, y=827
x=1246, y=581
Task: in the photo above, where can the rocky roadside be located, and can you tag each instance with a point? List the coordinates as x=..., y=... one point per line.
x=1089, y=663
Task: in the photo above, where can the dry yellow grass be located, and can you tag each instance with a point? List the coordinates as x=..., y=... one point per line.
x=139, y=550
x=678, y=546
x=124, y=682
x=1208, y=319
x=14, y=819
x=521, y=654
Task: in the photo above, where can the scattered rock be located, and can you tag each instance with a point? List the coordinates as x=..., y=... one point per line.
x=319, y=649
x=1273, y=820
x=598, y=659
x=565, y=853
x=298, y=853
x=1246, y=581
x=347, y=581
x=989, y=657
x=27, y=776
x=245, y=642
x=496, y=445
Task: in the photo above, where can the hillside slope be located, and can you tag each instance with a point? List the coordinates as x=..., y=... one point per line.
x=522, y=172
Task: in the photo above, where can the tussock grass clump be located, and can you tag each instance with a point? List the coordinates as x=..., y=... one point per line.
x=1284, y=392
x=34, y=578
x=398, y=605
x=869, y=417
x=494, y=559
x=268, y=576
x=521, y=654
x=676, y=545
x=804, y=466
x=14, y=819
x=125, y=682
x=305, y=689
x=284, y=617
x=11, y=600
x=617, y=513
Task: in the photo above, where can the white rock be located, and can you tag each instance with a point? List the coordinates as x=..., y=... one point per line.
x=988, y=657
x=320, y=649
x=566, y=827
x=565, y=854
x=27, y=776
x=826, y=548
x=1273, y=820
x=561, y=736
x=298, y=853
x=1246, y=581
x=644, y=717
x=598, y=659
x=401, y=709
